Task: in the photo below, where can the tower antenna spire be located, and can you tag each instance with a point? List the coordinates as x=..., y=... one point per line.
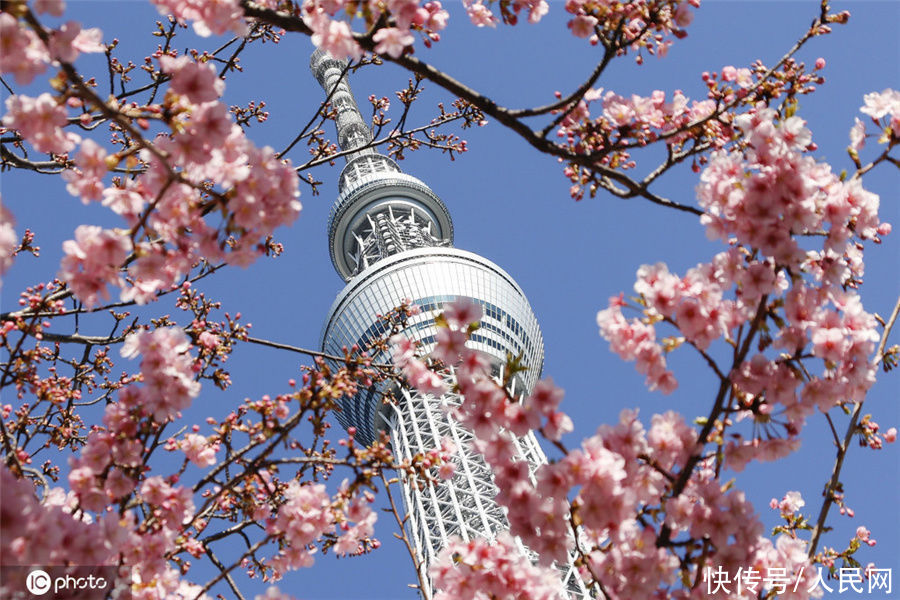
x=353, y=133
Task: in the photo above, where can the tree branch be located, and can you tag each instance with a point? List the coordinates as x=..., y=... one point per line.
x=844, y=446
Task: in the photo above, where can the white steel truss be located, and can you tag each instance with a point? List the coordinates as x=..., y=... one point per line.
x=464, y=505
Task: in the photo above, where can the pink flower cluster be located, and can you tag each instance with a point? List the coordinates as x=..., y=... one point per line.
x=300, y=521
x=85, y=180
x=307, y=514
x=103, y=472
x=171, y=506
x=206, y=147
x=40, y=121
x=92, y=261
x=209, y=18
x=23, y=54
x=495, y=419
x=167, y=369
x=21, y=51
x=759, y=200
x=334, y=35
x=109, y=465
x=414, y=369
x=361, y=514
x=496, y=569
x=881, y=105
x=628, y=122
x=482, y=16
x=635, y=339
x=199, y=450
x=46, y=533
x=638, y=117
x=70, y=40
x=789, y=504
x=648, y=23
x=616, y=476
x=8, y=239
x=36, y=533
x=775, y=191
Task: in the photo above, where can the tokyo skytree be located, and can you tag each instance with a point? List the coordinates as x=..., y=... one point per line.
x=391, y=239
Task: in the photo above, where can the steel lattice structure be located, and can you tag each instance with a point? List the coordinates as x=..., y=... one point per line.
x=391, y=239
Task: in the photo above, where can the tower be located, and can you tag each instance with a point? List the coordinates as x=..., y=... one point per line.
x=391, y=239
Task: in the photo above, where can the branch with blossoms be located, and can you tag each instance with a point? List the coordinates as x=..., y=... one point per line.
x=795, y=341
x=597, y=150
x=779, y=322
x=250, y=492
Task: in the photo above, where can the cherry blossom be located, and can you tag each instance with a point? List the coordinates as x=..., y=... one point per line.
x=640, y=507
x=479, y=14
x=197, y=82
x=169, y=384
x=48, y=533
x=494, y=569
x=8, y=239
x=21, y=52
x=70, y=40
x=198, y=450
x=392, y=41
x=208, y=18
x=40, y=121
x=52, y=7
x=92, y=262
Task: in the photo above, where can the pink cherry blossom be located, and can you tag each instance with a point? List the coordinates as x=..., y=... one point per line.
x=416, y=372
x=92, y=262
x=333, y=36
x=479, y=14
x=878, y=105
x=40, y=121
x=583, y=25
x=172, y=505
x=8, y=239
x=198, y=450
x=168, y=384
x=858, y=134
x=47, y=533
x=70, y=40
x=51, y=7
x=213, y=17
x=437, y=17
x=197, y=82
x=462, y=312
x=484, y=568
x=789, y=504
x=392, y=41
x=85, y=181
x=302, y=519
x=22, y=53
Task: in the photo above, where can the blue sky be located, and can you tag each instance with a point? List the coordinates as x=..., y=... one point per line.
x=511, y=205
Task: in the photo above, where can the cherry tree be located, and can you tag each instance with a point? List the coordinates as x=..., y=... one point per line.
x=105, y=442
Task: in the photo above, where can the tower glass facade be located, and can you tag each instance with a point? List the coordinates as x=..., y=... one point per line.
x=391, y=239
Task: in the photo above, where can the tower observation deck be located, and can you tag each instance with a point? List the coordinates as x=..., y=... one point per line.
x=391, y=239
